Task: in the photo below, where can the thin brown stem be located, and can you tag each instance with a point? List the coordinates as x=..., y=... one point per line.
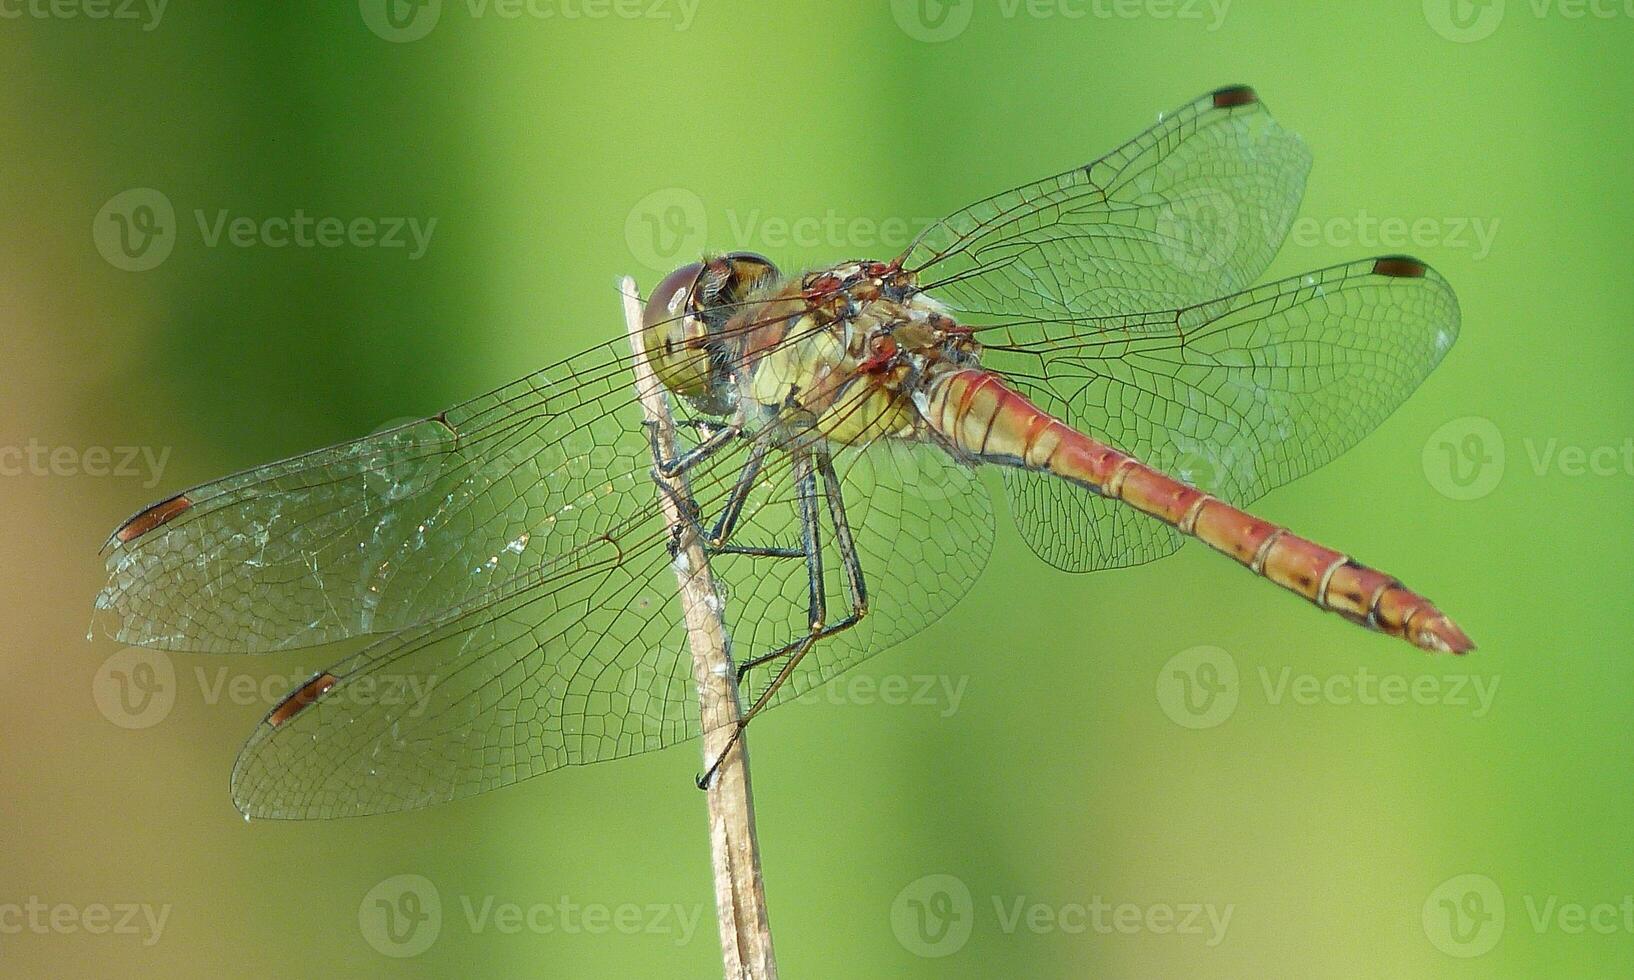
x=740, y=895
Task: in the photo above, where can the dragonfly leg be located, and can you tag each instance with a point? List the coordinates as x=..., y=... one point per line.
x=715, y=541
x=806, y=468
x=733, y=510
x=721, y=436
x=668, y=469
x=843, y=542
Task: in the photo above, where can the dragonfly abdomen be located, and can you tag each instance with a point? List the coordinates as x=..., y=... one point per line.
x=984, y=417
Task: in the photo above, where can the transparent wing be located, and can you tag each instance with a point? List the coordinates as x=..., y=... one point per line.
x=586, y=660
x=923, y=529
x=1191, y=209
x=1237, y=395
x=375, y=535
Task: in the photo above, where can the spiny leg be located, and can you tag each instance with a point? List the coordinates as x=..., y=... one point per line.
x=843, y=540
x=805, y=478
x=713, y=441
x=727, y=523
x=665, y=470
x=818, y=629
x=846, y=545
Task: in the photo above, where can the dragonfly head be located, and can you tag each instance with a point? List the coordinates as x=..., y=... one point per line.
x=685, y=315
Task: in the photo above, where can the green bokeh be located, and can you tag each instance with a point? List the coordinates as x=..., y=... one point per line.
x=538, y=144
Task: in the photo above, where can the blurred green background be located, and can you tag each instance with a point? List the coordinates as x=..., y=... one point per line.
x=1343, y=806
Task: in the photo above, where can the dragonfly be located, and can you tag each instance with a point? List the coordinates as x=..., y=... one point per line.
x=1096, y=337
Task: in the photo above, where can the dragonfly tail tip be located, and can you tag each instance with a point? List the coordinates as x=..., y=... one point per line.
x=1442, y=635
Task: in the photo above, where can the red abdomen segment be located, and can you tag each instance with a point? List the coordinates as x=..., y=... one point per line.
x=981, y=415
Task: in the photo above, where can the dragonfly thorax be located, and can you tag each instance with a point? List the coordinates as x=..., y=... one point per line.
x=839, y=352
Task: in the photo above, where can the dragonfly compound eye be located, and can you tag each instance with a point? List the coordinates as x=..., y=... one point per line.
x=674, y=335
x=688, y=311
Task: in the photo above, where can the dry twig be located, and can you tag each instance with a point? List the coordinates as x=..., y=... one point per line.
x=740, y=896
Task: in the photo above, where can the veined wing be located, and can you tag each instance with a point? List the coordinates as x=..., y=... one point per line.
x=1237, y=395
x=586, y=660
x=1191, y=209
x=377, y=534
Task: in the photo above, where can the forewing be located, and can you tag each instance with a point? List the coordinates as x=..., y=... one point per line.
x=378, y=534
x=1191, y=209
x=586, y=660
x=1238, y=395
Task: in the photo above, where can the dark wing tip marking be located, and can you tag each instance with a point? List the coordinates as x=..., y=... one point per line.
x=302, y=698
x=146, y=520
x=1234, y=95
x=1400, y=267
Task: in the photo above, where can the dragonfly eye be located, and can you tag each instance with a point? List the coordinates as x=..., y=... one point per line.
x=687, y=311
x=672, y=297
x=673, y=335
